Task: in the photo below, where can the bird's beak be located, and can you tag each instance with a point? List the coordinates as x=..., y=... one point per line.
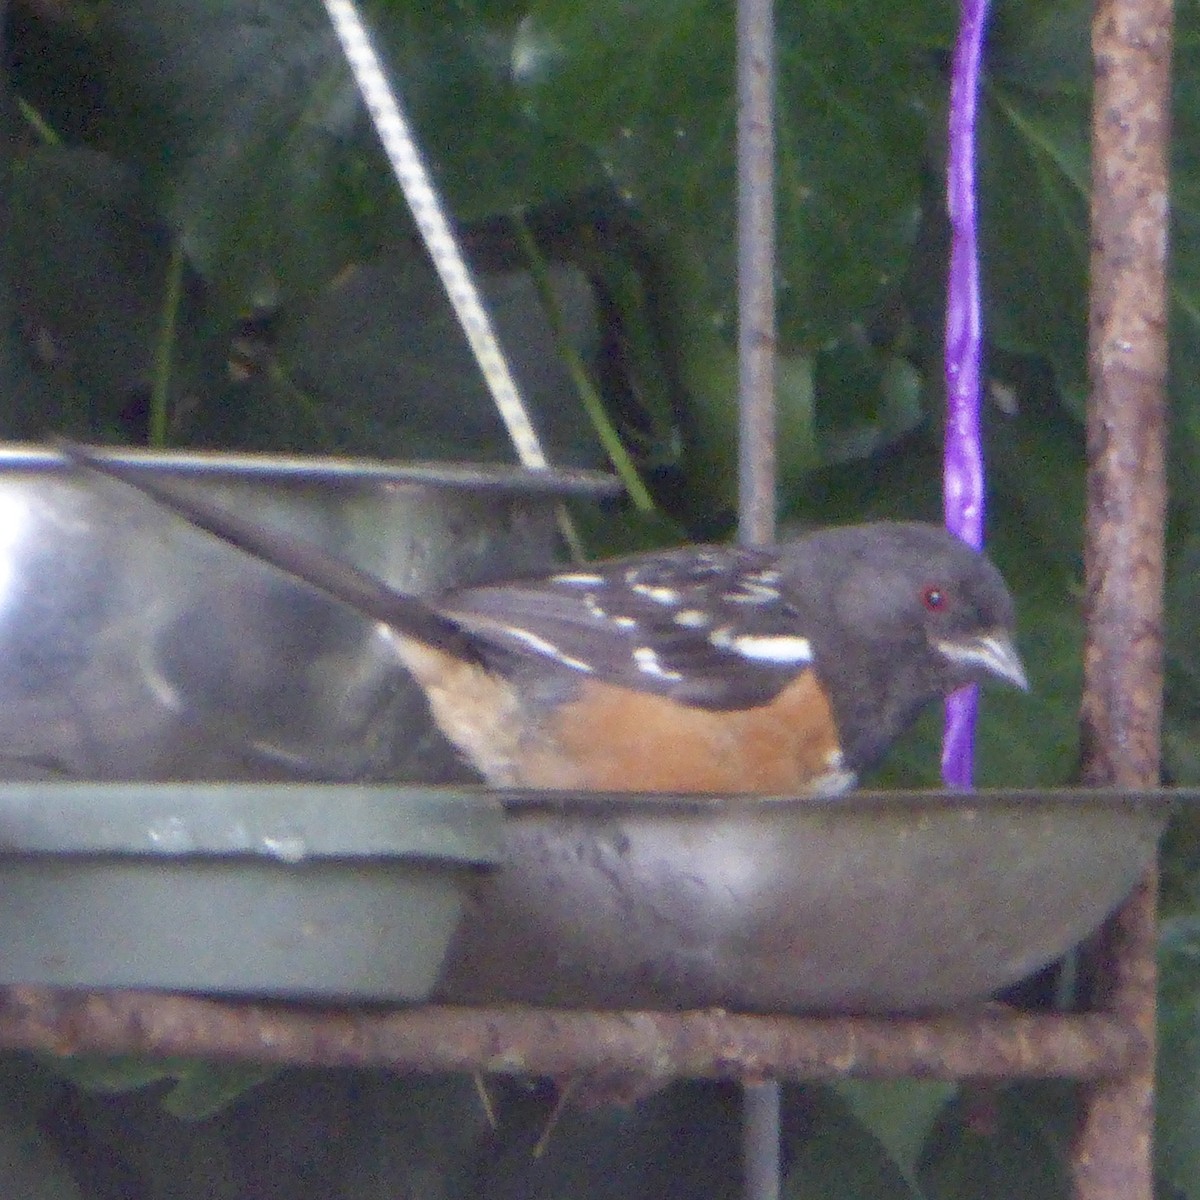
x=992, y=653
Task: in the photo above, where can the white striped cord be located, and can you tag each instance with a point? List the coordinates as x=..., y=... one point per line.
x=428, y=212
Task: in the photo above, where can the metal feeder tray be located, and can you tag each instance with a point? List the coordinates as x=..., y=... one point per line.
x=871, y=902
x=883, y=902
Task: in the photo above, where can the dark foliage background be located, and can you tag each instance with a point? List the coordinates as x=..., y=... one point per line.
x=205, y=248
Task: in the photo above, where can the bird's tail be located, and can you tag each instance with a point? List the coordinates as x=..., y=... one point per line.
x=361, y=591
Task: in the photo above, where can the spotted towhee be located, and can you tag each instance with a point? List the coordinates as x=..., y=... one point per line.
x=704, y=669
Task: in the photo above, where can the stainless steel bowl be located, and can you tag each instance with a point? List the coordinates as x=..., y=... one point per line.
x=133, y=646
x=882, y=902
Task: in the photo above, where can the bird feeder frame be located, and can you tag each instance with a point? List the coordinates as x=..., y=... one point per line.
x=1109, y=1049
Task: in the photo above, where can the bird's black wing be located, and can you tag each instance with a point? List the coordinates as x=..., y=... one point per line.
x=710, y=626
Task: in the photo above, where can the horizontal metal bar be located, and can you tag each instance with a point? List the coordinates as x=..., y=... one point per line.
x=989, y=1043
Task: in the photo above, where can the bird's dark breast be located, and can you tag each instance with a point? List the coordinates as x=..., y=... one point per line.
x=607, y=738
x=877, y=695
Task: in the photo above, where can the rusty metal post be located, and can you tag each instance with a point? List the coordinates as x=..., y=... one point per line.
x=1126, y=434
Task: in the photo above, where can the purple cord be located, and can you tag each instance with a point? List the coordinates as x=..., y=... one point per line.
x=963, y=469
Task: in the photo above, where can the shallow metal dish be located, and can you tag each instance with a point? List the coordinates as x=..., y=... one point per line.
x=867, y=903
x=296, y=891
x=133, y=646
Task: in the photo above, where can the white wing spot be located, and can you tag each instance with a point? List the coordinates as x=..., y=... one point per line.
x=750, y=591
x=656, y=593
x=780, y=648
x=620, y=620
x=578, y=579
x=541, y=646
x=771, y=647
x=691, y=618
x=649, y=663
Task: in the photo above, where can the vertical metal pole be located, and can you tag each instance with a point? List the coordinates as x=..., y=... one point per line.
x=756, y=270
x=761, y=1166
x=756, y=423
x=1126, y=434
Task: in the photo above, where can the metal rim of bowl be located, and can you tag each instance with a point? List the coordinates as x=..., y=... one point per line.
x=283, y=821
x=495, y=477
x=884, y=801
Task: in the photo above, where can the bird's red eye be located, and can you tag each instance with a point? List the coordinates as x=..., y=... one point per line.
x=934, y=598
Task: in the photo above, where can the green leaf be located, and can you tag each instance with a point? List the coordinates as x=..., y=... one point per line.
x=202, y=1089
x=712, y=419
x=1185, y=265
x=249, y=118
x=454, y=69
x=900, y=1113
x=245, y=117
x=1002, y=1143
x=378, y=363
x=94, y=259
x=838, y=1155
x=113, y=1073
x=1034, y=182
x=1035, y=179
x=649, y=88
x=1177, y=1138
x=1033, y=188
x=1034, y=452
x=869, y=399
x=1044, y=45
x=199, y=1088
